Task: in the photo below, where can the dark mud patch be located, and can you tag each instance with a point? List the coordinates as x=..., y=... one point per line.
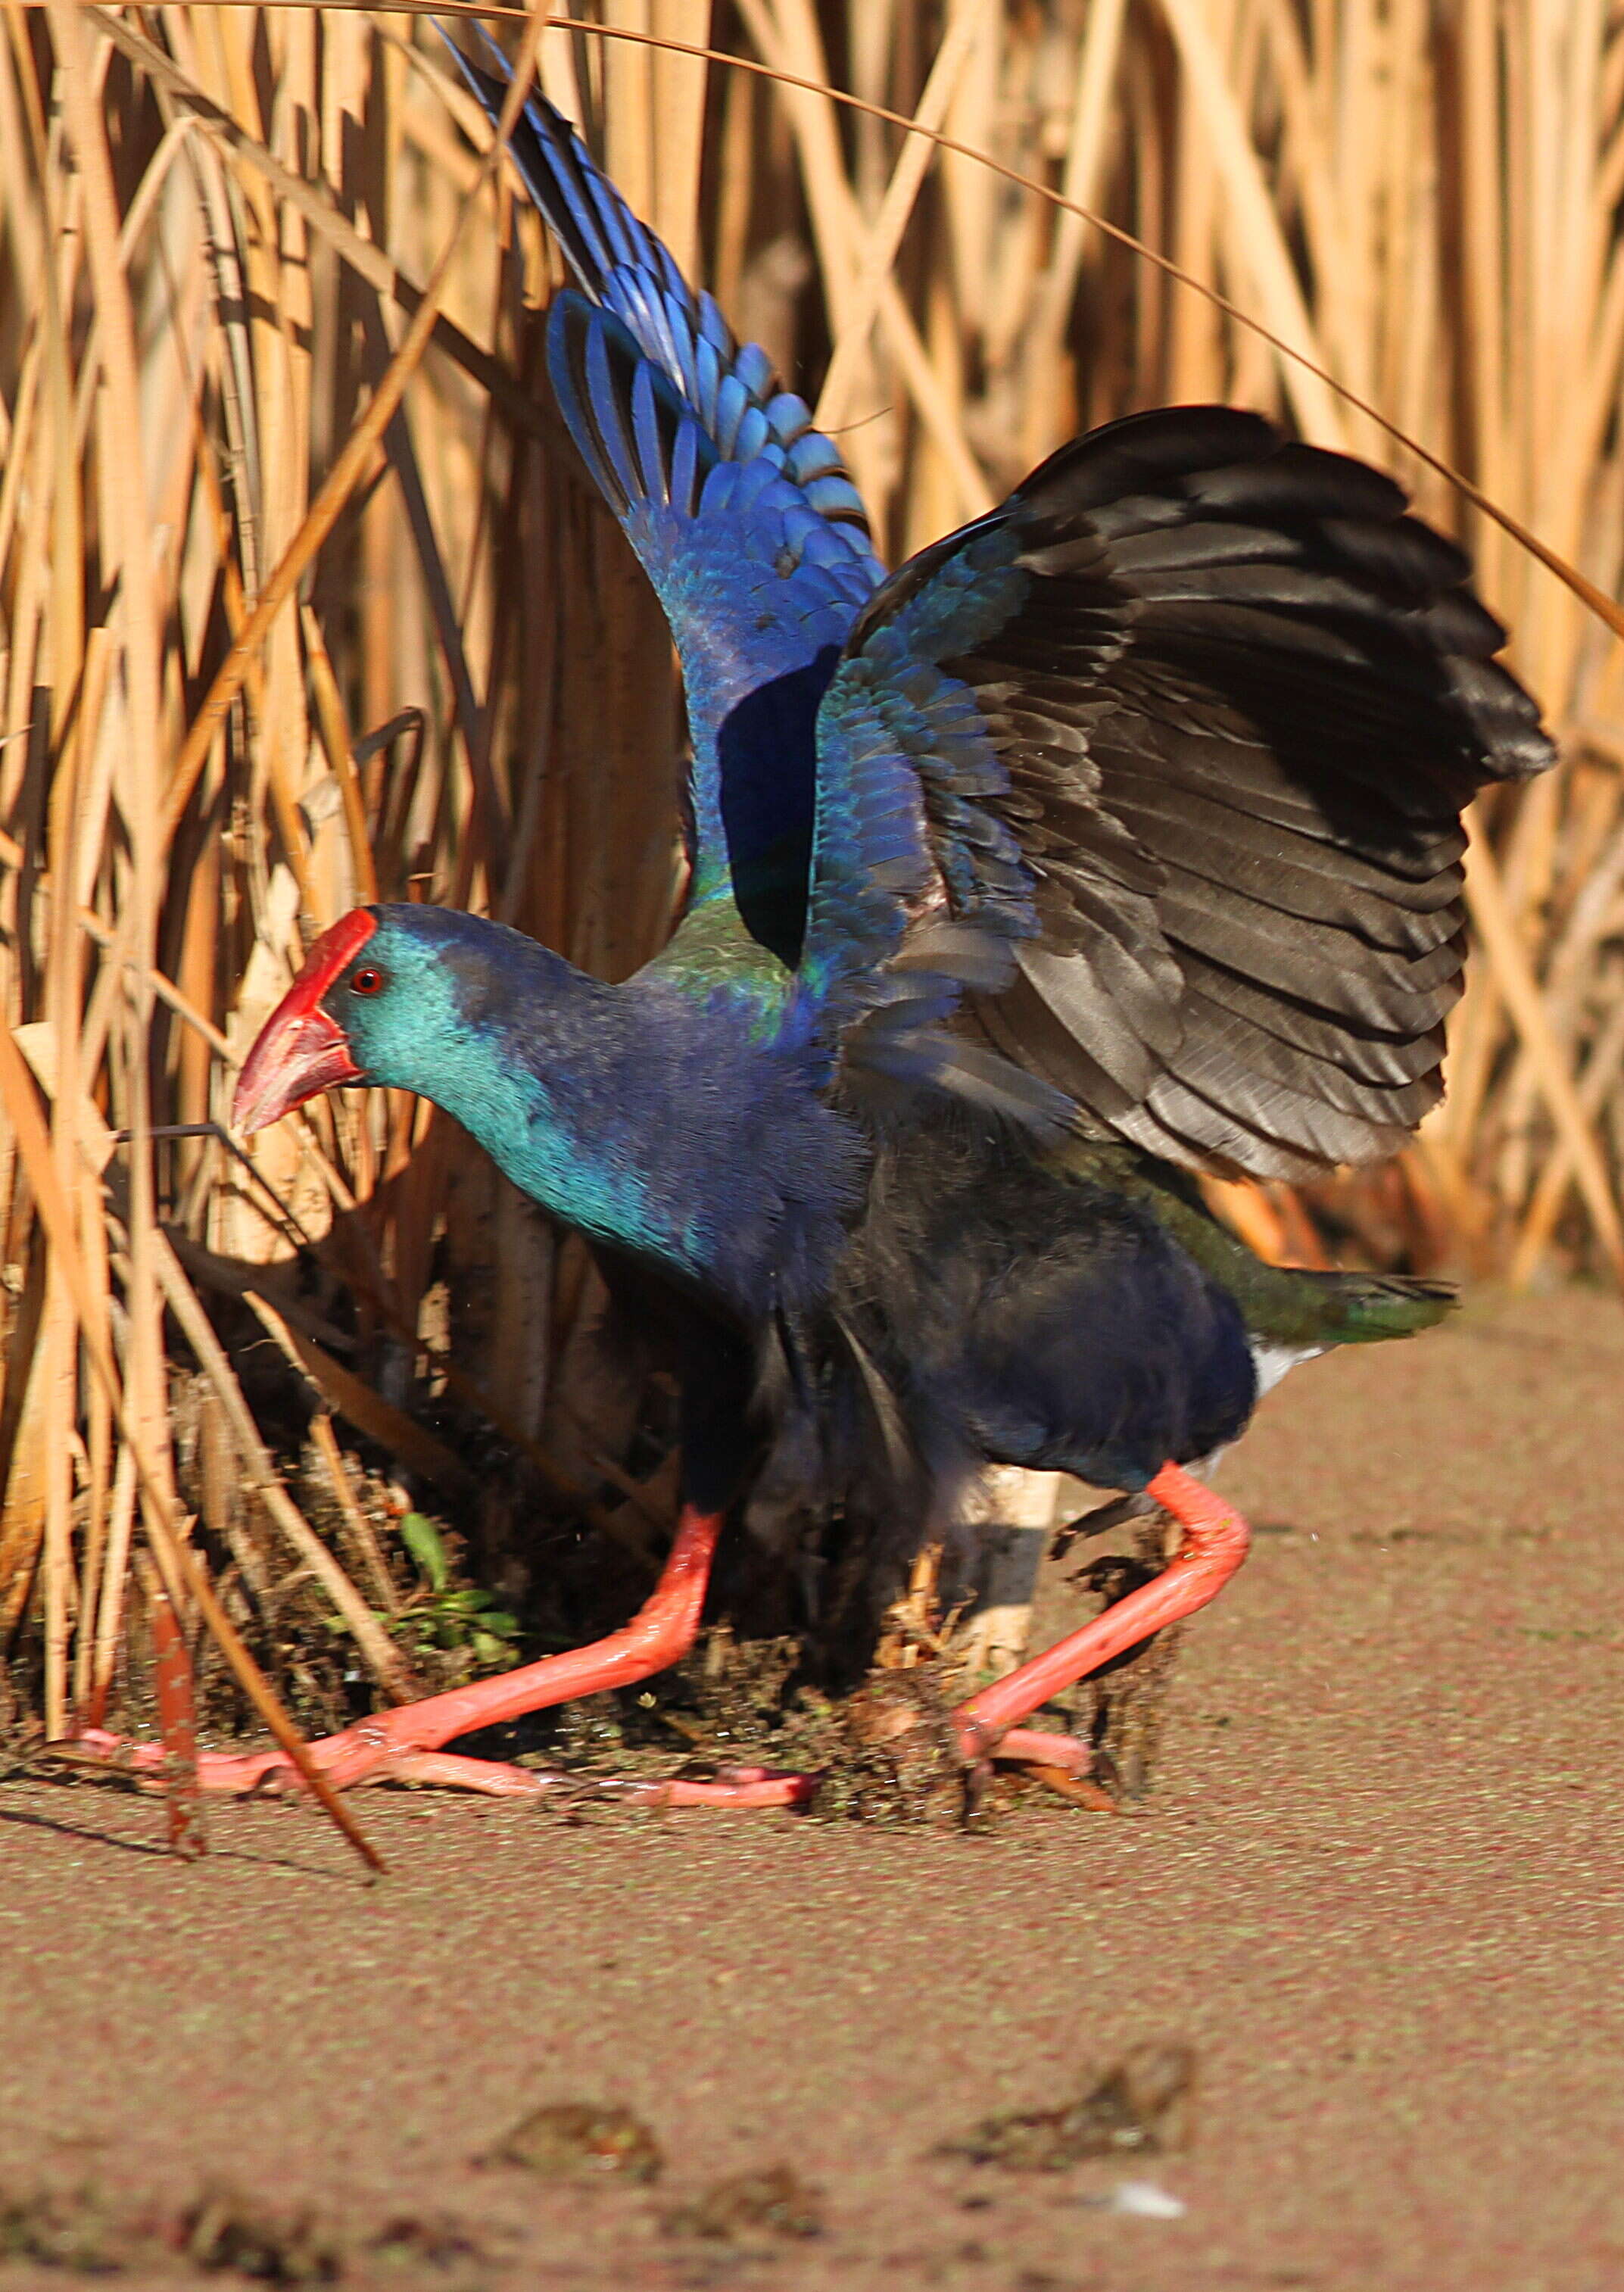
x=74, y=2229
x=1139, y=2107
x=226, y=2233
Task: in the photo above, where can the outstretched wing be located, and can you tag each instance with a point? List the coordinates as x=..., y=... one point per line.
x=1175, y=743
x=741, y=512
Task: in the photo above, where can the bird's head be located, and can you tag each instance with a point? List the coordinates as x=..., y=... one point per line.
x=384, y=994
x=641, y=1113
x=318, y=1036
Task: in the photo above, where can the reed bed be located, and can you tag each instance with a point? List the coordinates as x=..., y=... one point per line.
x=303, y=600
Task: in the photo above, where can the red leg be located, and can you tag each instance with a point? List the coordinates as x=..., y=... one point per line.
x=661, y=1631
x=1215, y=1545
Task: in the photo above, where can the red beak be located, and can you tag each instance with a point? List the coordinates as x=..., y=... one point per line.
x=301, y=1051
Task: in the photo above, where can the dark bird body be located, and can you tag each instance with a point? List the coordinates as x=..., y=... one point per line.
x=1114, y=839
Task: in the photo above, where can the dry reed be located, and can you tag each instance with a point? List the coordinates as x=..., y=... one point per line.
x=303, y=600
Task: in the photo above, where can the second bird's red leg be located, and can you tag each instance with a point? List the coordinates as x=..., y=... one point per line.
x=1215, y=1544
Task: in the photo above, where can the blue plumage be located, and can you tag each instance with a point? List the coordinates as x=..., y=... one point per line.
x=726, y=544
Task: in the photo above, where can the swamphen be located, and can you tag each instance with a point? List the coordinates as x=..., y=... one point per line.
x=1114, y=839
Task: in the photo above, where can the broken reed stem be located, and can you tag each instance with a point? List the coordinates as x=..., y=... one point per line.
x=342, y=1390
x=361, y=1534
x=172, y=1679
x=91, y=1701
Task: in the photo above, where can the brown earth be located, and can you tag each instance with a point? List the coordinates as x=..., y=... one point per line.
x=1377, y=1893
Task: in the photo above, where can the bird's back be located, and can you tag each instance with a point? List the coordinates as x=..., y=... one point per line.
x=1070, y=1308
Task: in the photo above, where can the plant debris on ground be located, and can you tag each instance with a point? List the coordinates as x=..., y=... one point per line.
x=581, y=2140
x=84, y=2232
x=750, y=2208
x=1140, y=2106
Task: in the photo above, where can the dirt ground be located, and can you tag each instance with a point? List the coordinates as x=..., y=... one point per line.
x=1377, y=1894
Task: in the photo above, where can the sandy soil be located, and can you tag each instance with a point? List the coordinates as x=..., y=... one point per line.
x=1378, y=1893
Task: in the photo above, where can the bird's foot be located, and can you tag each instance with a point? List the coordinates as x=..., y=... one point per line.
x=407, y=1745
x=729, y=1786
x=269, y=1775
x=987, y=1725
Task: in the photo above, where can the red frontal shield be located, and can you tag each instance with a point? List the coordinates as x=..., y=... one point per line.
x=301, y=1051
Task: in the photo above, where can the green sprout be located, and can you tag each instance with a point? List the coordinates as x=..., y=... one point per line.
x=439, y=1616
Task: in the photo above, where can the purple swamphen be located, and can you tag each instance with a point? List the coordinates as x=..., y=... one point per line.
x=1114, y=839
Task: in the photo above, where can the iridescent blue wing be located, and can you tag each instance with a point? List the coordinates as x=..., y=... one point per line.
x=1163, y=765
x=741, y=512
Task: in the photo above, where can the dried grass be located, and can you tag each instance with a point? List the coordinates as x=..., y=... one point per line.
x=303, y=600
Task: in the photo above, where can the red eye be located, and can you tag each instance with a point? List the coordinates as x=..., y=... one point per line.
x=368, y=980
